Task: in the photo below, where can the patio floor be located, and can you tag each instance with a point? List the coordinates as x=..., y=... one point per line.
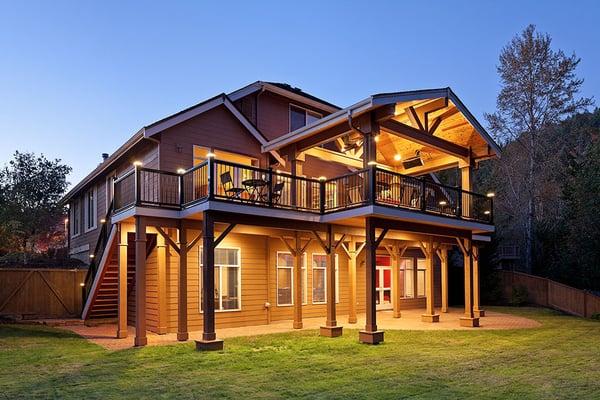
x=104, y=335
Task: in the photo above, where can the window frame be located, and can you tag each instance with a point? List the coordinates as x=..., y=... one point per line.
x=417, y=269
x=304, y=271
x=337, y=278
x=75, y=216
x=306, y=112
x=239, y=277
x=412, y=269
x=87, y=218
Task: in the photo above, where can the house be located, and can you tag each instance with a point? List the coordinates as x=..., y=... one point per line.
x=270, y=204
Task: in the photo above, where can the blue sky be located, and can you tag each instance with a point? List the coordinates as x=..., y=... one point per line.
x=78, y=78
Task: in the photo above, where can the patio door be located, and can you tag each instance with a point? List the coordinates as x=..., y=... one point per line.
x=383, y=282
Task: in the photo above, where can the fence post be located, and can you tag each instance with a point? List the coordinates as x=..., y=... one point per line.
x=547, y=292
x=585, y=314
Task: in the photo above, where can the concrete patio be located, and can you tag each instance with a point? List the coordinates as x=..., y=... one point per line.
x=104, y=335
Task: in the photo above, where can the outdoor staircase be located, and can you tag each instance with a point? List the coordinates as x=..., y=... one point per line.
x=104, y=299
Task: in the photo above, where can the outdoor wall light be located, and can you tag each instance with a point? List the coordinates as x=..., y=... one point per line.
x=210, y=154
x=443, y=203
x=487, y=212
x=322, y=178
x=490, y=194
x=66, y=220
x=82, y=284
x=91, y=256
x=376, y=138
x=181, y=171
x=102, y=221
x=372, y=163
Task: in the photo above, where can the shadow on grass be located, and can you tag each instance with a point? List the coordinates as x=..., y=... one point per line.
x=34, y=331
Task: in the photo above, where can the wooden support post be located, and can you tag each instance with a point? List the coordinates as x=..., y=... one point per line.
x=477, y=311
x=297, y=256
x=330, y=329
x=161, y=264
x=396, y=252
x=469, y=318
x=140, y=282
x=209, y=338
x=443, y=256
x=352, y=252
x=122, y=297
x=370, y=335
x=430, y=315
x=466, y=178
x=182, y=287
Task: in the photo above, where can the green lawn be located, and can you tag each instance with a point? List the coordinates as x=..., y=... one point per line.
x=559, y=360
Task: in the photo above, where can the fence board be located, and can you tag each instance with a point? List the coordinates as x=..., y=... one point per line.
x=41, y=293
x=547, y=293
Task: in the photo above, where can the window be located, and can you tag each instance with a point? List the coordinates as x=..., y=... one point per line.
x=300, y=117
x=319, y=279
x=227, y=279
x=90, y=210
x=407, y=274
x=75, y=218
x=421, y=266
x=285, y=279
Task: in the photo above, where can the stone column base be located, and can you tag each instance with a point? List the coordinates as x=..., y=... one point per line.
x=430, y=318
x=479, y=313
x=140, y=341
x=330, y=331
x=209, y=345
x=370, y=337
x=183, y=336
x=469, y=322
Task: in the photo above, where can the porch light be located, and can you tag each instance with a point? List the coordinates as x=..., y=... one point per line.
x=487, y=212
x=66, y=220
x=322, y=178
x=443, y=203
x=397, y=157
x=137, y=163
x=376, y=138
x=372, y=163
x=82, y=284
x=103, y=221
x=181, y=171
x=490, y=194
x=210, y=154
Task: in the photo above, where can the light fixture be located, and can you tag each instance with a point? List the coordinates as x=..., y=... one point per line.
x=210, y=154
x=490, y=194
x=82, y=284
x=487, y=212
x=397, y=157
x=372, y=163
x=415, y=161
x=443, y=203
x=181, y=171
x=322, y=178
x=278, y=171
x=102, y=221
x=376, y=138
x=66, y=220
x=137, y=163
x=91, y=256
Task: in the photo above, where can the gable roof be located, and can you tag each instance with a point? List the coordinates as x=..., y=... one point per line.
x=375, y=101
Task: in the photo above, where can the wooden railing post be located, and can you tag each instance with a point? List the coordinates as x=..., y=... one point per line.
x=423, y=205
x=459, y=203
x=181, y=191
x=372, y=184
x=210, y=178
x=138, y=185
x=322, y=197
x=270, y=187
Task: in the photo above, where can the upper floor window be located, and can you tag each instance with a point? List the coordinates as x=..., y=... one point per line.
x=75, y=218
x=90, y=209
x=300, y=117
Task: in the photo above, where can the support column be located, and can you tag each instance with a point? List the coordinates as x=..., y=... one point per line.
x=396, y=252
x=477, y=311
x=182, y=287
x=161, y=258
x=331, y=329
x=122, y=296
x=465, y=178
x=443, y=255
x=370, y=335
x=469, y=318
x=430, y=315
x=297, y=256
x=140, y=282
x=209, y=338
x=352, y=256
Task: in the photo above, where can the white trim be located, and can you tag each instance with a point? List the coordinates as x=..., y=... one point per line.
x=86, y=217
x=111, y=238
x=337, y=280
x=72, y=212
x=304, y=256
x=412, y=268
x=239, y=277
x=79, y=249
x=417, y=295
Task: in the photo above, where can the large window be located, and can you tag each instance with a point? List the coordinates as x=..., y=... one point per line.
x=285, y=279
x=319, y=279
x=421, y=267
x=300, y=117
x=75, y=218
x=407, y=275
x=90, y=210
x=227, y=279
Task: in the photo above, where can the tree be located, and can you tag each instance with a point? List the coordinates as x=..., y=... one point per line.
x=539, y=89
x=31, y=188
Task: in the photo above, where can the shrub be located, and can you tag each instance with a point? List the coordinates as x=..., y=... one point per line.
x=596, y=316
x=519, y=295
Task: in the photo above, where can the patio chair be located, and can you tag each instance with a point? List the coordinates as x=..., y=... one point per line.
x=229, y=188
x=355, y=195
x=277, y=192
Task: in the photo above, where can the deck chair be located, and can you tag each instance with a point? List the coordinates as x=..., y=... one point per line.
x=355, y=195
x=229, y=188
x=277, y=191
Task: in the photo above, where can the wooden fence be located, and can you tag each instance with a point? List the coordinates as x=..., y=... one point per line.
x=41, y=293
x=547, y=293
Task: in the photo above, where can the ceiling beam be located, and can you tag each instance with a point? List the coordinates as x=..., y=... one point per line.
x=408, y=132
x=334, y=156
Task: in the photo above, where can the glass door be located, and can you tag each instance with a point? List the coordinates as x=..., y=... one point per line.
x=383, y=282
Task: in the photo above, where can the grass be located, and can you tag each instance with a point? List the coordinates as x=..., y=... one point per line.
x=561, y=359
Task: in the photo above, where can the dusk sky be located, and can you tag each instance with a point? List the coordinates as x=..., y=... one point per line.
x=79, y=78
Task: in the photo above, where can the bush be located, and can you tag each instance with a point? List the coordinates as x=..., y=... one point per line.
x=519, y=296
x=596, y=316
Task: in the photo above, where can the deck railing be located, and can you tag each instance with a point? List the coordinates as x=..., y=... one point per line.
x=243, y=184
